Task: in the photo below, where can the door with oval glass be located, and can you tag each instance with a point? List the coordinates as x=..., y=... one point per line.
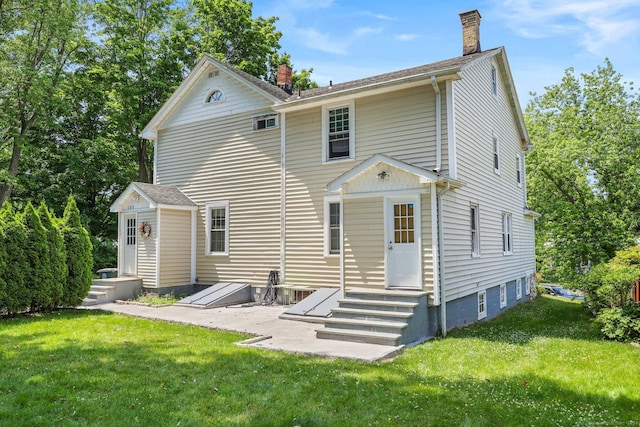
x=402, y=243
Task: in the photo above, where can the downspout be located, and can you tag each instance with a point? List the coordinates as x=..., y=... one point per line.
x=436, y=88
x=443, y=301
x=283, y=193
x=342, y=288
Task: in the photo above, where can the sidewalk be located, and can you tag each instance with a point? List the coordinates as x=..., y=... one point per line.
x=270, y=332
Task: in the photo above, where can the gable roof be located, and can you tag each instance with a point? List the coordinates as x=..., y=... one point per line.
x=269, y=91
x=158, y=196
x=423, y=175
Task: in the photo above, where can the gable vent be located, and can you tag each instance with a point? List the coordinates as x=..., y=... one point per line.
x=213, y=74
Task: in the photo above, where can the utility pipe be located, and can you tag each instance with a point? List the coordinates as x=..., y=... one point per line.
x=436, y=88
x=443, y=302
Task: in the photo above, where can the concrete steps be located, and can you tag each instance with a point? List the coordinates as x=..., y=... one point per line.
x=111, y=289
x=386, y=317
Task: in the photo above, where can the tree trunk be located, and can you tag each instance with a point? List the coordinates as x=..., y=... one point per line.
x=144, y=172
x=5, y=189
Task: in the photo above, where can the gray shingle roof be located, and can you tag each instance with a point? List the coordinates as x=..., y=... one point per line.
x=164, y=194
x=453, y=64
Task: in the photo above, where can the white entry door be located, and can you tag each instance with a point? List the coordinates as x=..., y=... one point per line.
x=129, y=252
x=402, y=245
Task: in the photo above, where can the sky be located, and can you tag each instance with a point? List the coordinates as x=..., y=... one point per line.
x=345, y=40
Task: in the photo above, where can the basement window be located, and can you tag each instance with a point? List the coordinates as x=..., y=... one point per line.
x=503, y=295
x=265, y=121
x=482, y=304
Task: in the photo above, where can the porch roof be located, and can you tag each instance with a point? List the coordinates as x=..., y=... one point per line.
x=424, y=176
x=158, y=196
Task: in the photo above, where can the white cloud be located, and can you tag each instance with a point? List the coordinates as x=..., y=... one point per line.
x=596, y=24
x=313, y=39
x=366, y=31
x=406, y=37
x=379, y=16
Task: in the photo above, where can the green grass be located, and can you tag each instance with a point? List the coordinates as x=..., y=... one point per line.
x=156, y=300
x=542, y=364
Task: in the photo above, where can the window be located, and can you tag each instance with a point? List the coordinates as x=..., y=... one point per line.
x=496, y=155
x=494, y=81
x=503, y=295
x=519, y=170
x=265, y=121
x=519, y=284
x=217, y=223
x=482, y=304
x=216, y=95
x=475, y=230
x=332, y=231
x=507, y=234
x=527, y=285
x=338, y=137
x=131, y=231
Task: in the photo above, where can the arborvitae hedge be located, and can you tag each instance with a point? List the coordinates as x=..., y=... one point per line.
x=44, y=262
x=57, y=254
x=18, y=297
x=79, y=255
x=40, y=282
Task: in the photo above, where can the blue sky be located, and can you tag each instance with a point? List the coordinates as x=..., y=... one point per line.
x=345, y=40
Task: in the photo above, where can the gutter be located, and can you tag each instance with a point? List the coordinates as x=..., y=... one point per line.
x=436, y=88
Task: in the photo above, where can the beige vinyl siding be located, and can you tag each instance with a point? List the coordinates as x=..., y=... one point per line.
x=427, y=242
x=223, y=159
x=479, y=115
x=364, y=242
x=175, y=248
x=147, y=250
x=192, y=108
x=400, y=125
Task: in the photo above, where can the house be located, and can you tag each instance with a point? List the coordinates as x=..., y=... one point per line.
x=407, y=187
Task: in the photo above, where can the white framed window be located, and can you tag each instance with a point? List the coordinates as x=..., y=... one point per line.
x=503, y=295
x=332, y=229
x=265, y=121
x=482, y=304
x=215, y=96
x=519, y=170
x=475, y=230
x=217, y=228
x=527, y=285
x=519, y=284
x=494, y=81
x=338, y=132
x=496, y=154
x=507, y=234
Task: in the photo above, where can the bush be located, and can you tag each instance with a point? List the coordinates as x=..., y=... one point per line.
x=3, y=268
x=79, y=256
x=607, y=290
x=18, y=297
x=621, y=323
x=57, y=258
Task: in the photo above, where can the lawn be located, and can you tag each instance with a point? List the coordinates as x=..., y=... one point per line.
x=540, y=364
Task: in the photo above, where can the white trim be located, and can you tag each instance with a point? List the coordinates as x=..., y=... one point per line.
x=157, y=239
x=417, y=211
x=177, y=207
x=342, y=278
x=495, y=153
x=527, y=285
x=482, y=314
x=194, y=246
x=220, y=100
x=507, y=233
x=216, y=205
x=475, y=243
x=519, y=289
x=265, y=117
x=503, y=292
x=435, y=236
x=451, y=131
x=519, y=173
x=352, y=131
x=283, y=196
x=494, y=80
x=328, y=200
x=155, y=161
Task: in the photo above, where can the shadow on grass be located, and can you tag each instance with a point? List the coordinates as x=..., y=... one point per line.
x=545, y=317
x=98, y=369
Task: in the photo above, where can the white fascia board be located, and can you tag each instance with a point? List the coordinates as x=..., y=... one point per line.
x=126, y=193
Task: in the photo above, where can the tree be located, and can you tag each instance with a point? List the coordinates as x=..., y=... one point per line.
x=79, y=256
x=39, y=39
x=18, y=297
x=584, y=170
x=39, y=279
x=56, y=256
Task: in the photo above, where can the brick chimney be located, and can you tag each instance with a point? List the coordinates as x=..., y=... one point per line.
x=285, y=79
x=470, y=32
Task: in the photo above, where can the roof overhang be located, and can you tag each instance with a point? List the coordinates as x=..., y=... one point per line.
x=424, y=176
x=116, y=206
